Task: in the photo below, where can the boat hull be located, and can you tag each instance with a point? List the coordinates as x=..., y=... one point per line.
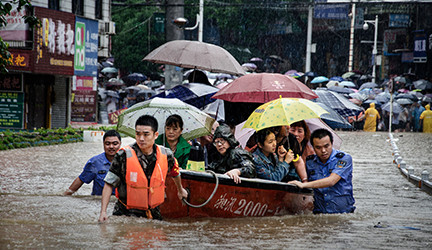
x=250, y=198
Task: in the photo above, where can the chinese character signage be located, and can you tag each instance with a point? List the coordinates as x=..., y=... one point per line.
x=84, y=99
x=54, y=42
x=19, y=60
x=11, y=110
x=10, y=82
x=399, y=20
x=420, y=55
x=16, y=29
x=331, y=11
x=86, y=47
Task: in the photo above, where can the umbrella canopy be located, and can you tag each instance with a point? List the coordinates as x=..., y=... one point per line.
x=196, y=122
x=194, y=54
x=422, y=84
x=337, y=78
x=382, y=97
x=347, y=84
x=249, y=65
x=112, y=93
x=397, y=108
x=154, y=84
x=320, y=79
x=332, y=83
x=137, y=77
x=115, y=82
x=404, y=101
x=368, y=85
x=348, y=75
x=243, y=134
x=109, y=70
x=256, y=59
x=195, y=94
x=400, y=79
x=337, y=102
x=264, y=87
x=407, y=96
x=283, y=111
x=333, y=119
x=134, y=88
x=341, y=90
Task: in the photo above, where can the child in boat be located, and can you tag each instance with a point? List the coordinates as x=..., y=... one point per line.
x=233, y=160
x=268, y=164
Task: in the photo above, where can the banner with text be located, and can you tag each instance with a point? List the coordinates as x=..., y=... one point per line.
x=86, y=47
x=11, y=110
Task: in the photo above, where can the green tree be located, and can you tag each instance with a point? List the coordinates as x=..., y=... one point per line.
x=135, y=36
x=5, y=9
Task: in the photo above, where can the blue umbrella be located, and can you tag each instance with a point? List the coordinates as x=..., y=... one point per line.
x=338, y=103
x=368, y=85
x=137, y=77
x=310, y=74
x=333, y=119
x=320, y=79
x=195, y=94
x=341, y=90
x=337, y=78
x=397, y=108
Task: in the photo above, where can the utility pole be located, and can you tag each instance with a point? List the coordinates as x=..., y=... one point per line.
x=351, y=41
x=309, y=40
x=174, y=9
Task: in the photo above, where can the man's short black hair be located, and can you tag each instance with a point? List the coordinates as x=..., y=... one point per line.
x=174, y=120
x=321, y=133
x=110, y=133
x=147, y=120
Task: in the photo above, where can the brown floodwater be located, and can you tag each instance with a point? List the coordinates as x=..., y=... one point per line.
x=34, y=214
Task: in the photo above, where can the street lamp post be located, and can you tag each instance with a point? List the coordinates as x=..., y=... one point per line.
x=374, y=50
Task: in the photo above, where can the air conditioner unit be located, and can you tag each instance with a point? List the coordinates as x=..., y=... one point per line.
x=103, y=52
x=102, y=27
x=110, y=28
x=103, y=41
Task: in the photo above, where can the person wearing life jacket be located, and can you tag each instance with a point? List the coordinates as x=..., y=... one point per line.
x=139, y=173
x=371, y=118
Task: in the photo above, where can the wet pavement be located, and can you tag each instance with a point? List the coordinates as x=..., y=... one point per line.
x=34, y=214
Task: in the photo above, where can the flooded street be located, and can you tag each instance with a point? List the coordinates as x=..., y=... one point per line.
x=35, y=215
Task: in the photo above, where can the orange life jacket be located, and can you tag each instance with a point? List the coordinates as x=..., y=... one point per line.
x=139, y=194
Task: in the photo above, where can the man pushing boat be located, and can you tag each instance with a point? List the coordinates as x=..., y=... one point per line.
x=330, y=175
x=139, y=172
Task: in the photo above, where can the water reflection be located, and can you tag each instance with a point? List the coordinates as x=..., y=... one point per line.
x=35, y=215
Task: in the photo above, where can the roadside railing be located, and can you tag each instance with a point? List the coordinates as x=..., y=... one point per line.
x=422, y=181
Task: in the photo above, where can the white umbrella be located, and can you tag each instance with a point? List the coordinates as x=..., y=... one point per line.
x=196, y=123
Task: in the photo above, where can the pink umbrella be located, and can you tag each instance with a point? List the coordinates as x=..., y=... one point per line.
x=243, y=134
x=264, y=87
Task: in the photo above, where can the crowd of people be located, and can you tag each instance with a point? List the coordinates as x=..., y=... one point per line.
x=136, y=170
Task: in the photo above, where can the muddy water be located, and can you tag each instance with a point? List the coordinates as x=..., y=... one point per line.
x=33, y=214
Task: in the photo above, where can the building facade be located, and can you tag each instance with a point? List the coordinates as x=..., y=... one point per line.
x=52, y=79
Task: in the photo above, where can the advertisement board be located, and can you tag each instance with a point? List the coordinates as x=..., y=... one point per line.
x=11, y=110
x=84, y=99
x=86, y=47
x=54, y=42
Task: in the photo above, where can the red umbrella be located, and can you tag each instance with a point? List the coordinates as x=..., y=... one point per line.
x=264, y=87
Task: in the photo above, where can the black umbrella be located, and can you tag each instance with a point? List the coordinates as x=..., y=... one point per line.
x=422, y=84
x=407, y=96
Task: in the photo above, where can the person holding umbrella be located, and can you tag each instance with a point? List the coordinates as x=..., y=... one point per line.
x=233, y=160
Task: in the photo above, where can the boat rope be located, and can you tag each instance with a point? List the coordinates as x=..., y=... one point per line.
x=211, y=196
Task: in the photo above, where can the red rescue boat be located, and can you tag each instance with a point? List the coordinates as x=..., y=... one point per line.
x=250, y=198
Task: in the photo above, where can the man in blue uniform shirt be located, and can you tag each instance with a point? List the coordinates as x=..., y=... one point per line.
x=330, y=175
x=97, y=167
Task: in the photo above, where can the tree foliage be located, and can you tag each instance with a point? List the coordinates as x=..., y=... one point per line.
x=5, y=9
